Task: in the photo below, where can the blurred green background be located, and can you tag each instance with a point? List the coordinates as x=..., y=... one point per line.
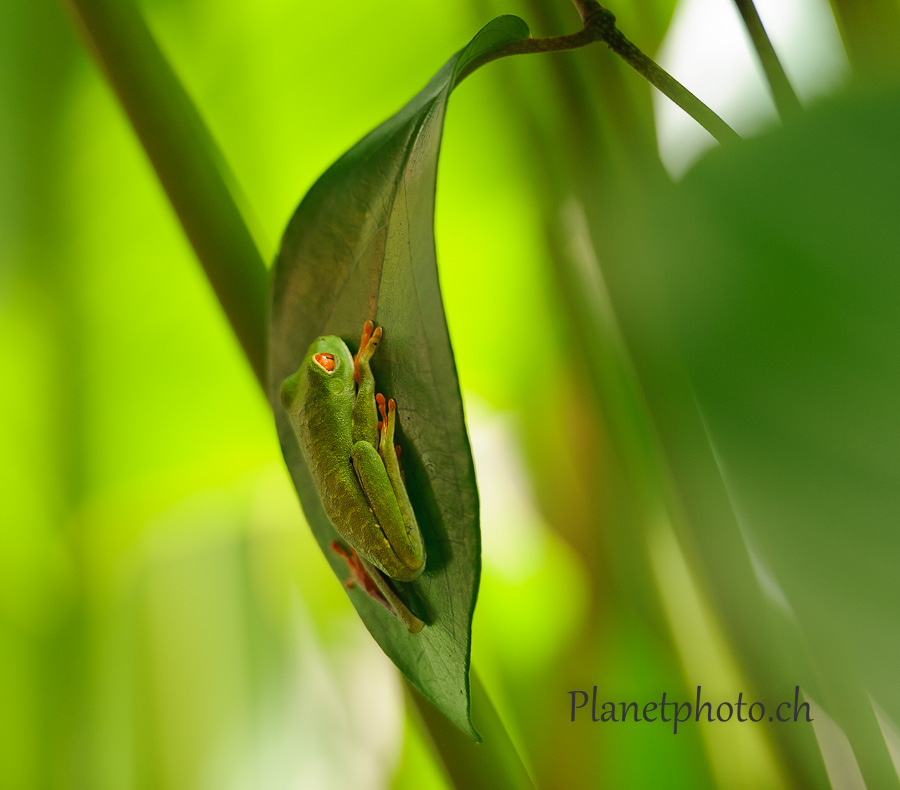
x=648, y=442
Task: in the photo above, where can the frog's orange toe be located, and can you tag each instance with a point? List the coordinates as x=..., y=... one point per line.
x=379, y=399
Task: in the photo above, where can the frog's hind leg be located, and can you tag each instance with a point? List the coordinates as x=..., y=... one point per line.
x=358, y=576
x=364, y=575
x=390, y=457
x=412, y=623
x=400, y=553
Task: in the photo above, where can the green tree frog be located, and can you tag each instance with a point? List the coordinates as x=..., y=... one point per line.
x=331, y=402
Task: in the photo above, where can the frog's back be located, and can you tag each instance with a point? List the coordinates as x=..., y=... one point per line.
x=320, y=405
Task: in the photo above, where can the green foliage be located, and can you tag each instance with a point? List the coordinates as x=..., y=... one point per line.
x=691, y=387
x=776, y=272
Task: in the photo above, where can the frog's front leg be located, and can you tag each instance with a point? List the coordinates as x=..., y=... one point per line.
x=367, y=334
x=365, y=417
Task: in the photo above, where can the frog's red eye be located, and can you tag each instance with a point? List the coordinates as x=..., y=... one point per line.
x=325, y=361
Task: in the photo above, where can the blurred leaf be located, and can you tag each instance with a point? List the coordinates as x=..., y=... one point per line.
x=870, y=32
x=189, y=165
x=774, y=271
x=361, y=245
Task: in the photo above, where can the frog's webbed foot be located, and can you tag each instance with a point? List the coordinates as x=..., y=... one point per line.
x=371, y=336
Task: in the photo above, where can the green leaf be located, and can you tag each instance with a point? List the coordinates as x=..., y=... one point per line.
x=774, y=279
x=361, y=246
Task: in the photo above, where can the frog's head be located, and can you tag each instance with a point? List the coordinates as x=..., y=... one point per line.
x=327, y=366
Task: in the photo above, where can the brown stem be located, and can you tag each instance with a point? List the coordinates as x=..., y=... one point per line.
x=662, y=80
x=785, y=98
x=600, y=25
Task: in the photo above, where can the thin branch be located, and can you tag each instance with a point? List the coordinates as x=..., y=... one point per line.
x=600, y=25
x=786, y=101
x=587, y=8
x=533, y=46
x=660, y=79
